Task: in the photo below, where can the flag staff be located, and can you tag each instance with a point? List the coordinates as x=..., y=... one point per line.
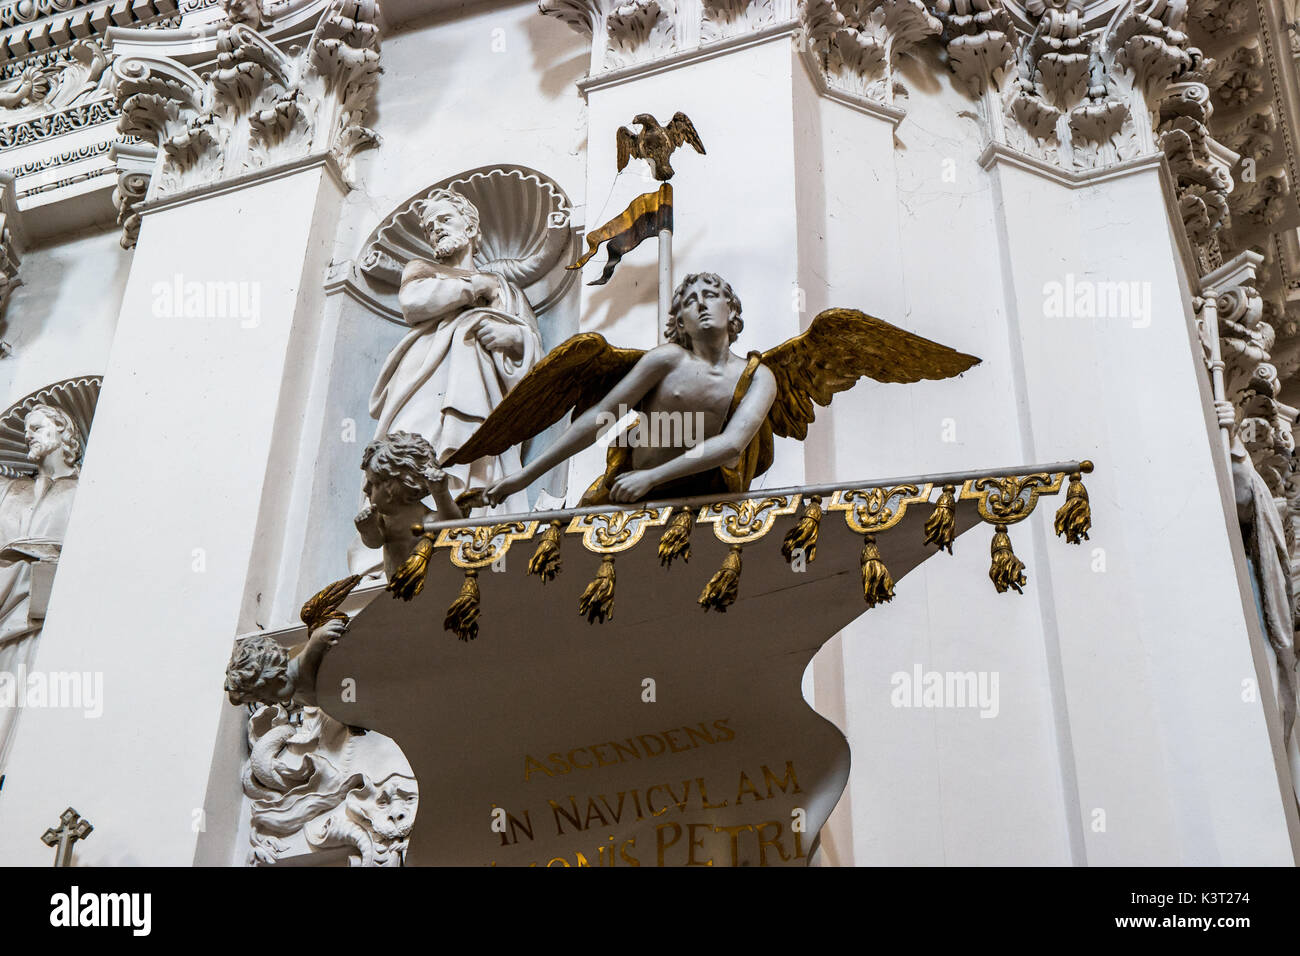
x=665, y=262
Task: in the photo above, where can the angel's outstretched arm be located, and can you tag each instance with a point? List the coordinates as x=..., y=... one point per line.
x=585, y=429
x=721, y=449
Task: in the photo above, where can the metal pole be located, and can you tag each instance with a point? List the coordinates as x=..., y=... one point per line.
x=665, y=276
x=949, y=478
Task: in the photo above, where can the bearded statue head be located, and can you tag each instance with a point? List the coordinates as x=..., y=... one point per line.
x=450, y=222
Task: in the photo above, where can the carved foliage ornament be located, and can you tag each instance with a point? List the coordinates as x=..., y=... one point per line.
x=258, y=107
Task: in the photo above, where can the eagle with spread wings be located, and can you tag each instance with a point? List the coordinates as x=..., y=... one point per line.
x=655, y=143
x=582, y=375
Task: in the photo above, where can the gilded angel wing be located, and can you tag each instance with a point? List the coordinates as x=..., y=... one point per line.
x=839, y=347
x=575, y=375
x=324, y=604
x=626, y=140
x=680, y=130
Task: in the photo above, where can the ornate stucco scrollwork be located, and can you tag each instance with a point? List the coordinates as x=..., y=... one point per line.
x=480, y=546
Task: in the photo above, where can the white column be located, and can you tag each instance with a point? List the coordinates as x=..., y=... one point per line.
x=180, y=524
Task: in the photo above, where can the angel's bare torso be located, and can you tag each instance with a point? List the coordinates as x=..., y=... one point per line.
x=692, y=390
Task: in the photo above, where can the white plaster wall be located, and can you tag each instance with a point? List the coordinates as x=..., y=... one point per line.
x=179, y=517
x=883, y=230
x=488, y=85
x=61, y=318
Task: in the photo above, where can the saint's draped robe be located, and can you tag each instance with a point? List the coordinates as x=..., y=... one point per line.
x=29, y=509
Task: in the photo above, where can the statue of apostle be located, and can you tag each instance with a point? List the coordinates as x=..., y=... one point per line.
x=473, y=337
x=33, y=519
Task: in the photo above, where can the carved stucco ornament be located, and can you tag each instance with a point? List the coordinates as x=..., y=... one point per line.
x=857, y=43
x=258, y=106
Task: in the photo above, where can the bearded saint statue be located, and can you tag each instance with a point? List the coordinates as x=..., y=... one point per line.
x=473, y=337
x=33, y=520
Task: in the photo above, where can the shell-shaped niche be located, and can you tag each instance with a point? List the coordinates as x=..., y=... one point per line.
x=76, y=397
x=526, y=233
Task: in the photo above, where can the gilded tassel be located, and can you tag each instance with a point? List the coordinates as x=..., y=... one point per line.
x=408, y=579
x=545, y=562
x=1074, y=518
x=462, y=616
x=723, y=588
x=941, y=526
x=1007, y=571
x=597, y=601
x=803, y=536
x=877, y=585
x=676, y=539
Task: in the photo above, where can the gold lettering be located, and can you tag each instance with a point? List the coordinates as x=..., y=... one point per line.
x=660, y=845
x=601, y=761
x=721, y=726
x=746, y=786
x=622, y=851
x=702, y=734
x=581, y=766
x=650, y=803
x=558, y=811
x=648, y=752
x=704, y=795
x=672, y=744
x=532, y=766
x=686, y=794
x=769, y=778
x=514, y=824
x=774, y=842
x=594, y=810
x=620, y=749
x=616, y=814
x=557, y=759
x=733, y=832
x=692, y=843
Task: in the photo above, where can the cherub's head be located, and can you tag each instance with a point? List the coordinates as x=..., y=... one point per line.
x=258, y=671
x=399, y=469
x=450, y=222
x=702, y=298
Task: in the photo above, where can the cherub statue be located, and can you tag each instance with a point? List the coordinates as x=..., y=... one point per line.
x=401, y=471
x=742, y=401
x=262, y=670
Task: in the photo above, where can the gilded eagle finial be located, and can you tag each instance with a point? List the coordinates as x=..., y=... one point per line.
x=655, y=143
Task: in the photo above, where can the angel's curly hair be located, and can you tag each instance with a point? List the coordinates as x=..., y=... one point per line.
x=408, y=458
x=674, y=333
